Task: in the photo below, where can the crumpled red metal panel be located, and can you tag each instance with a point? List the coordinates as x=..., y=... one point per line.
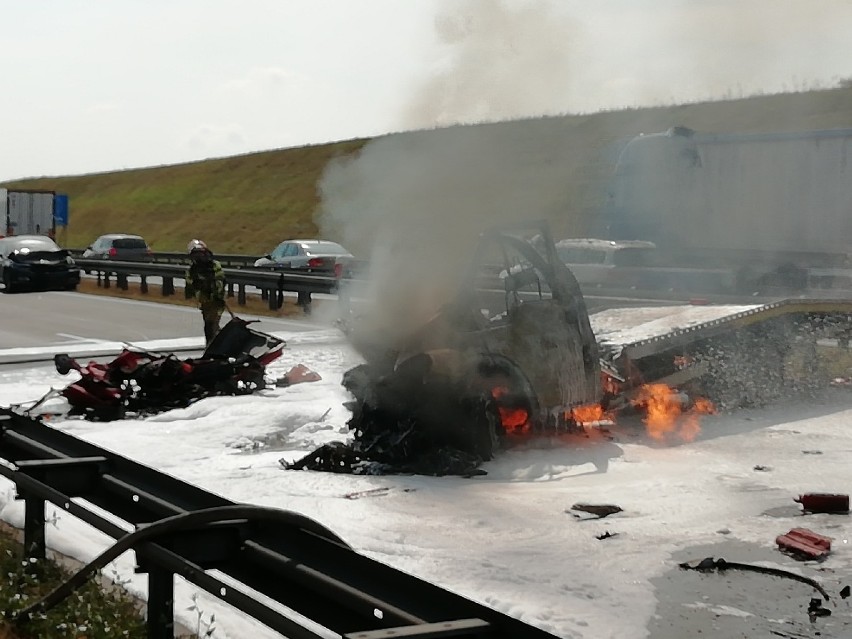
x=802, y=541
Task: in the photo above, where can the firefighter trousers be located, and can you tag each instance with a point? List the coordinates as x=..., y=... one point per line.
x=211, y=313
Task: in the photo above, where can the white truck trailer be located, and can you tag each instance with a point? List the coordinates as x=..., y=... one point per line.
x=773, y=208
x=27, y=212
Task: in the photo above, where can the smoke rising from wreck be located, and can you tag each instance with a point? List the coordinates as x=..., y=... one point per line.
x=414, y=205
x=503, y=59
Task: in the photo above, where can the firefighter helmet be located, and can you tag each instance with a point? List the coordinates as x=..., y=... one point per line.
x=197, y=246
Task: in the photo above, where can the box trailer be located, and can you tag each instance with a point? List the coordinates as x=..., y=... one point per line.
x=765, y=205
x=28, y=212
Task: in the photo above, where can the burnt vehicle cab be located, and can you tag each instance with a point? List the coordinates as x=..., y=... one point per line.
x=36, y=262
x=510, y=354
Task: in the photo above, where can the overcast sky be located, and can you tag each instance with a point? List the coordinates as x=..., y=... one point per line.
x=97, y=86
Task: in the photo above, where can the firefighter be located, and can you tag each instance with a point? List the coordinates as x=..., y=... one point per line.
x=205, y=280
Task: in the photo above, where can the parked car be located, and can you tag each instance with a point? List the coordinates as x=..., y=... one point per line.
x=36, y=261
x=600, y=262
x=119, y=246
x=309, y=256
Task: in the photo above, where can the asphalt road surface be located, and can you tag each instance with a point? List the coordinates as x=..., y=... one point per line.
x=47, y=318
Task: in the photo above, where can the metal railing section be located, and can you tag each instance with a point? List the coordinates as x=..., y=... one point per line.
x=183, y=530
x=271, y=283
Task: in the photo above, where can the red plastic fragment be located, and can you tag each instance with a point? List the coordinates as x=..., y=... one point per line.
x=802, y=541
x=824, y=503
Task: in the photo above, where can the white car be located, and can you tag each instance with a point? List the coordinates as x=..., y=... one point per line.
x=595, y=261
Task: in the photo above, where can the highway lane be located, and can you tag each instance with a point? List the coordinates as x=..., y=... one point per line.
x=48, y=318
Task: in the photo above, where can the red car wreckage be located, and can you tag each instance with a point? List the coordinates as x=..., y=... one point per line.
x=142, y=382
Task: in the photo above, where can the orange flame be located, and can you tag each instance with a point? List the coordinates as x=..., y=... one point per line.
x=514, y=420
x=665, y=417
x=588, y=414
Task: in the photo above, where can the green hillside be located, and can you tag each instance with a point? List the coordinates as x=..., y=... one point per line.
x=247, y=203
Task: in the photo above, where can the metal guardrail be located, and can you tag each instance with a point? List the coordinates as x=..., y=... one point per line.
x=235, y=260
x=289, y=558
x=167, y=257
x=271, y=283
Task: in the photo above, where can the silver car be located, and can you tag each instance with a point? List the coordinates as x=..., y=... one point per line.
x=319, y=257
x=119, y=246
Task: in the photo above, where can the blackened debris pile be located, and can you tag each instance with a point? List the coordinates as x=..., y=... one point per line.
x=410, y=421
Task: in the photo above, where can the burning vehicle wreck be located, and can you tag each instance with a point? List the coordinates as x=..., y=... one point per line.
x=515, y=354
x=141, y=382
x=509, y=356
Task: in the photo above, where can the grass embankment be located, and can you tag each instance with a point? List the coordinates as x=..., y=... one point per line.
x=249, y=203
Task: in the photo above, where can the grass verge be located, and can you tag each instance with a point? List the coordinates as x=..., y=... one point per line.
x=100, y=610
x=254, y=304
x=92, y=612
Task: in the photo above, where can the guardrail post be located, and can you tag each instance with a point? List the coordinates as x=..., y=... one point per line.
x=143, y=284
x=168, y=286
x=230, y=289
x=344, y=300
x=106, y=279
x=161, y=607
x=34, y=545
x=241, y=295
x=121, y=281
x=273, y=300
x=264, y=294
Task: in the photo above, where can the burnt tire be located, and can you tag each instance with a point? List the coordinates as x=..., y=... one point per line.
x=487, y=432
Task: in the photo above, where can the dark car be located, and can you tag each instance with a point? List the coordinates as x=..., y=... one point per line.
x=36, y=262
x=119, y=246
x=309, y=256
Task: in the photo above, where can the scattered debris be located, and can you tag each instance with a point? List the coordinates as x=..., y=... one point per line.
x=844, y=592
x=762, y=469
x=804, y=543
x=299, y=374
x=812, y=452
x=606, y=535
x=372, y=492
x=816, y=609
x=600, y=510
x=709, y=564
x=724, y=531
x=824, y=503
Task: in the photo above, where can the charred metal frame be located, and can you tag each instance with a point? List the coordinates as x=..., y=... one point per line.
x=302, y=566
